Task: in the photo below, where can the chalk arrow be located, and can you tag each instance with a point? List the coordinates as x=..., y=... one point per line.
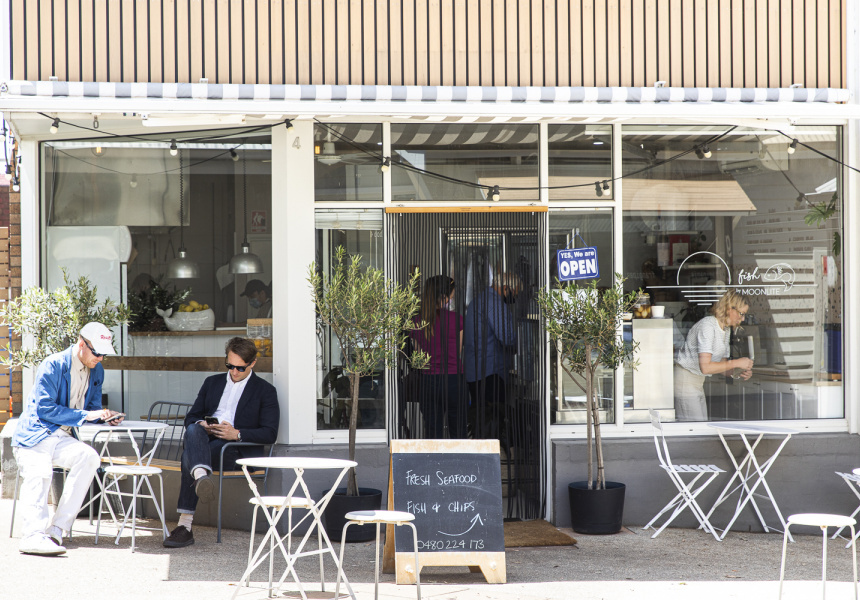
x=476, y=519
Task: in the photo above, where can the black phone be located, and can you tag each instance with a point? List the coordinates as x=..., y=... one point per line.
x=114, y=417
x=211, y=420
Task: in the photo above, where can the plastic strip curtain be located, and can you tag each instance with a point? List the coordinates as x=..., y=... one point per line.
x=479, y=276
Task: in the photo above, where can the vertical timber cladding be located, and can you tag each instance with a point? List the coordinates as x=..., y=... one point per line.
x=686, y=43
x=489, y=390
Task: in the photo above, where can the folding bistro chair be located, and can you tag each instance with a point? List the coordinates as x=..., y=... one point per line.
x=853, y=481
x=687, y=492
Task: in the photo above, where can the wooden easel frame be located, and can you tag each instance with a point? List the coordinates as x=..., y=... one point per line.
x=491, y=564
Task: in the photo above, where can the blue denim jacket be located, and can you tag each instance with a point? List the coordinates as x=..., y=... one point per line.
x=47, y=406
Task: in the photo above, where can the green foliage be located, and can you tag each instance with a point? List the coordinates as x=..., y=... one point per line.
x=584, y=324
x=371, y=316
x=53, y=319
x=144, y=303
x=819, y=214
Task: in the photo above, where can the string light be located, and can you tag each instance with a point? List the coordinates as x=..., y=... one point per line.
x=16, y=184
x=598, y=190
x=133, y=182
x=174, y=149
x=55, y=126
x=495, y=194
x=289, y=124
x=706, y=151
x=606, y=191
x=234, y=156
x=95, y=121
x=386, y=164
x=792, y=147
x=8, y=172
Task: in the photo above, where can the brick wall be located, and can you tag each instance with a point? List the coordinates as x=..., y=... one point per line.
x=10, y=287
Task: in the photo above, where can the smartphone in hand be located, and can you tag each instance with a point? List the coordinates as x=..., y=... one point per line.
x=114, y=417
x=211, y=420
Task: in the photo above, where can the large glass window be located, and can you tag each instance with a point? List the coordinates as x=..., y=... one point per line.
x=359, y=232
x=347, y=160
x=736, y=235
x=580, y=162
x=575, y=229
x=112, y=213
x=430, y=157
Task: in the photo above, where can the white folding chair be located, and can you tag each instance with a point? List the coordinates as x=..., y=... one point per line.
x=853, y=481
x=687, y=492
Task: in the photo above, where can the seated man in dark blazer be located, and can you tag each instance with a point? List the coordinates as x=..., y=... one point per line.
x=246, y=408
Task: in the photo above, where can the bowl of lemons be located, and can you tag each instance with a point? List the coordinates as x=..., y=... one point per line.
x=193, y=316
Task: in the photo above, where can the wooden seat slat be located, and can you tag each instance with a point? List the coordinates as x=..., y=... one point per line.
x=169, y=465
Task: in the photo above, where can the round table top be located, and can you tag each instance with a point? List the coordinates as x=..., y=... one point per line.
x=296, y=462
x=126, y=425
x=753, y=428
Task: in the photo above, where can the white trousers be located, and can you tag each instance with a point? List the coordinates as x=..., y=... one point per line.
x=35, y=465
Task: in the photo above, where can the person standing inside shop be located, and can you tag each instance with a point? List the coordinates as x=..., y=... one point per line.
x=489, y=343
x=442, y=339
x=242, y=407
x=706, y=352
x=67, y=393
x=259, y=297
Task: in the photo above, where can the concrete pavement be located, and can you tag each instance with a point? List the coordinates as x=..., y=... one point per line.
x=680, y=563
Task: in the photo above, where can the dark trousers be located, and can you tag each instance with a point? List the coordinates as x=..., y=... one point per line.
x=201, y=450
x=439, y=400
x=486, y=412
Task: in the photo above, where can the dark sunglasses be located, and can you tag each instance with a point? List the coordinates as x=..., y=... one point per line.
x=96, y=354
x=238, y=368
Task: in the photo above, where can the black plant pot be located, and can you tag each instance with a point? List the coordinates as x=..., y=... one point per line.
x=334, y=517
x=596, y=511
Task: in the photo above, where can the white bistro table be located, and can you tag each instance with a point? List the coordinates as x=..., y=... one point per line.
x=104, y=433
x=315, y=509
x=750, y=471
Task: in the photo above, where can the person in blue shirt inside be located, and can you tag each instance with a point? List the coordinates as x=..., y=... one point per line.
x=66, y=393
x=490, y=338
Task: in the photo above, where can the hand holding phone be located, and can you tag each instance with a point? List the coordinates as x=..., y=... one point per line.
x=113, y=418
x=211, y=420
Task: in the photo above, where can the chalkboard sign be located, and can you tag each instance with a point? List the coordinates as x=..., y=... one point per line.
x=454, y=489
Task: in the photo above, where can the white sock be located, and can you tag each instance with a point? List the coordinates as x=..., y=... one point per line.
x=54, y=531
x=199, y=472
x=185, y=520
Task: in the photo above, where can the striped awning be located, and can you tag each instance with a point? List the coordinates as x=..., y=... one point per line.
x=453, y=94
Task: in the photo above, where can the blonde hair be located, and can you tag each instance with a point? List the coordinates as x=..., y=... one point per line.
x=731, y=299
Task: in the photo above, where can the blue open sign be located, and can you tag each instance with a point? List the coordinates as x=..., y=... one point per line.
x=577, y=263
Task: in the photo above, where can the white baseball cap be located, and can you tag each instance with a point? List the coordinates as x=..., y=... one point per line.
x=99, y=337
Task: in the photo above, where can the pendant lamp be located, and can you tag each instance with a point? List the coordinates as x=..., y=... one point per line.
x=182, y=267
x=245, y=262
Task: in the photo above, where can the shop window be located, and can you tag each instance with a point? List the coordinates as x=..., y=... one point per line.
x=112, y=214
x=359, y=232
x=347, y=158
x=580, y=162
x=463, y=162
x=575, y=229
x=734, y=221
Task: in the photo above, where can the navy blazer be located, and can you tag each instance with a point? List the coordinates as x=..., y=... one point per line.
x=257, y=414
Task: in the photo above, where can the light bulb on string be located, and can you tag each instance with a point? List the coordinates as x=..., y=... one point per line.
x=289, y=124
x=174, y=149
x=605, y=190
x=55, y=126
x=8, y=172
x=496, y=196
x=706, y=151
x=386, y=164
x=16, y=184
x=597, y=189
x=234, y=156
x=792, y=147
x=133, y=182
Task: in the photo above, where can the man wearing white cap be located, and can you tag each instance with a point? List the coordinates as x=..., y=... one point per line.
x=67, y=391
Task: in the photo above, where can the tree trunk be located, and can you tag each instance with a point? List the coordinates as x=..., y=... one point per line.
x=598, y=441
x=589, y=418
x=352, y=481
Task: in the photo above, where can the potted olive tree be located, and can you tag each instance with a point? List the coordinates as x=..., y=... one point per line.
x=584, y=325
x=371, y=317
x=53, y=319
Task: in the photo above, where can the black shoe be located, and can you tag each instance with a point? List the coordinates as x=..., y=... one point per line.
x=205, y=489
x=179, y=538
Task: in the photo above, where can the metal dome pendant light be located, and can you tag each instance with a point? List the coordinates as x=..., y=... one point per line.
x=245, y=262
x=182, y=267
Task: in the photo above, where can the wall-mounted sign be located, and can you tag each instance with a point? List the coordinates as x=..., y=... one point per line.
x=259, y=221
x=577, y=263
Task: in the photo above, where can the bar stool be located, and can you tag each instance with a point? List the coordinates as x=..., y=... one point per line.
x=823, y=521
x=139, y=475
x=379, y=517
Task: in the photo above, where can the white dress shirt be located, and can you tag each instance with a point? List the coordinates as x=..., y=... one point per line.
x=230, y=400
